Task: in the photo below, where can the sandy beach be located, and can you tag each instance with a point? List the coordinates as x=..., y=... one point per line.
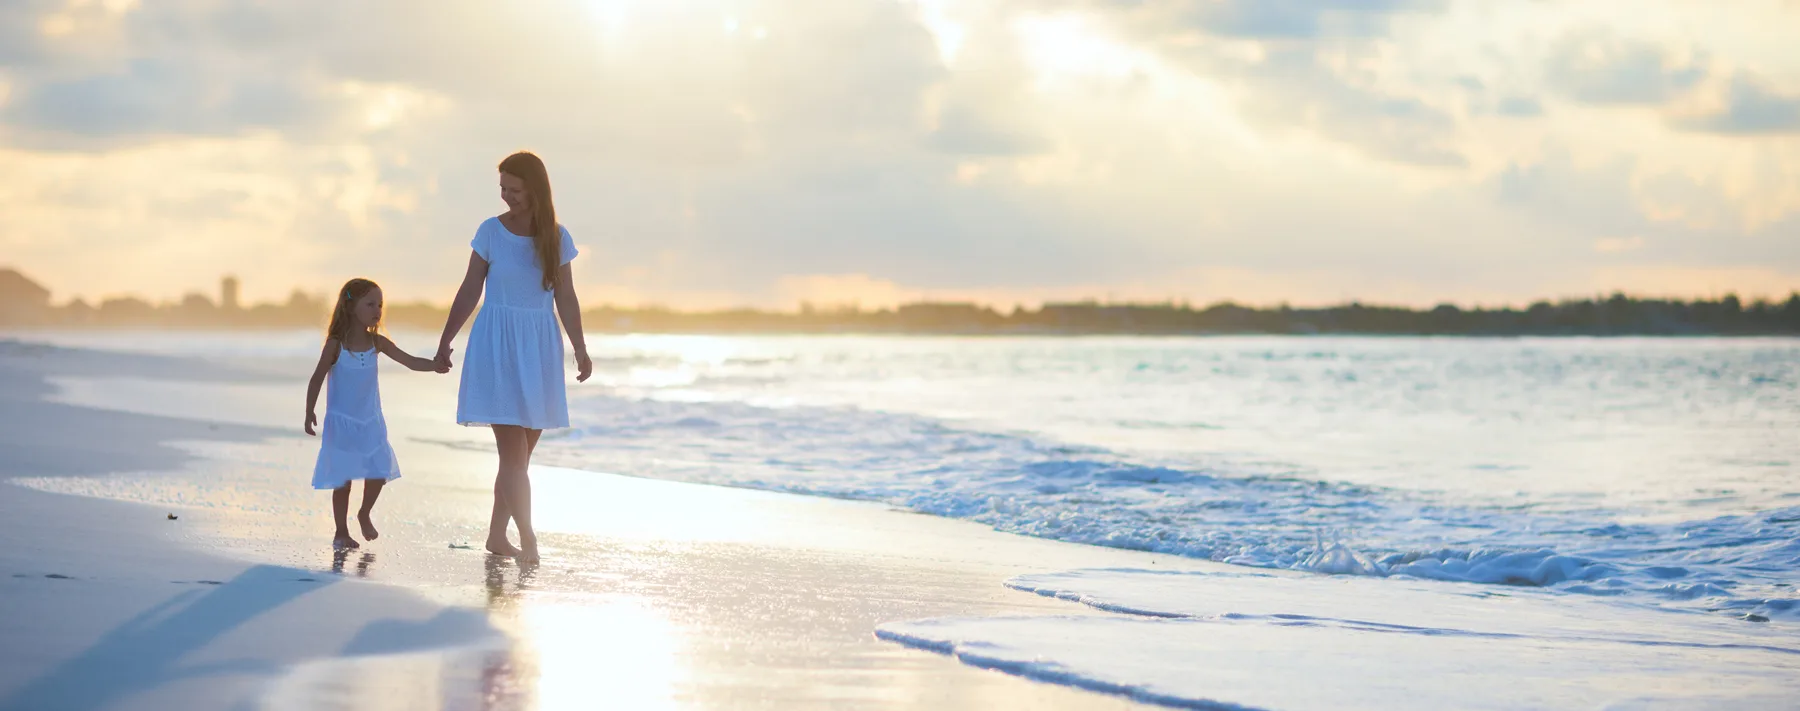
x=664, y=594
x=655, y=594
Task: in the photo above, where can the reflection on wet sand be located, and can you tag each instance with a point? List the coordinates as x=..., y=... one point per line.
x=342, y=555
x=576, y=650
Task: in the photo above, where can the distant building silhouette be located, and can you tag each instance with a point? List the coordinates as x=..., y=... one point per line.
x=228, y=294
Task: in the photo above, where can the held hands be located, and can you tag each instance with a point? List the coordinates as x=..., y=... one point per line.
x=584, y=366
x=312, y=421
x=441, y=364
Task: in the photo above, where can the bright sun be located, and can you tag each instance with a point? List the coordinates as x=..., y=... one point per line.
x=1062, y=47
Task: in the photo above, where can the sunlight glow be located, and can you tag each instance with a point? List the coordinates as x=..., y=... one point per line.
x=624, y=651
x=948, y=34
x=612, y=16
x=574, y=501
x=1066, y=46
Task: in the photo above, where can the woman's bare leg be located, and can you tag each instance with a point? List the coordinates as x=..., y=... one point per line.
x=501, y=515
x=497, y=522
x=515, y=484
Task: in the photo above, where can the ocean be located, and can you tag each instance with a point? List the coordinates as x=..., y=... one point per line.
x=1648, y=472
x=1395, y=522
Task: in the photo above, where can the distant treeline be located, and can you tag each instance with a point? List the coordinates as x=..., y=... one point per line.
x=1618, y=315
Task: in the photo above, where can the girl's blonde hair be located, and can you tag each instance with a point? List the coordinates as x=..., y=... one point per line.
x=342, y=319
x=545, y=234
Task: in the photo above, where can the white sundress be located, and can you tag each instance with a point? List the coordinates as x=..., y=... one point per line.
x=513, y=368
x=354, y=443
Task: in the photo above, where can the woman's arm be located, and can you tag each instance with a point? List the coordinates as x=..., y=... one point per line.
x=467, y=296
x=327, y=358
x=569, y=308
x=410, y=361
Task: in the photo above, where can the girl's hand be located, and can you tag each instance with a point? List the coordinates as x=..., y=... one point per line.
x=584, y=366
x=312, y=421
x=442, y=364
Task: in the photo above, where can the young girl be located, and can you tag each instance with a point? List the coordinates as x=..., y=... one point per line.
x=355, y=444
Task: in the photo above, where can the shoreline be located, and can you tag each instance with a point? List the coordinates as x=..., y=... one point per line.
x=699, y=585
x=662, y=594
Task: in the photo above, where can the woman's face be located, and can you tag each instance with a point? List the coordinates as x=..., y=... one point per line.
x=512, y=190
x=368, y=309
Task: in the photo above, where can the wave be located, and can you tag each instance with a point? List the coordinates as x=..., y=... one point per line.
x=1021, y=483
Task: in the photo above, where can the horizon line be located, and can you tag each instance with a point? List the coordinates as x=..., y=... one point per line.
x=217, y=299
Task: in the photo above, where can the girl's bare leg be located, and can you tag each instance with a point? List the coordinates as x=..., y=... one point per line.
x=340, y=510
x=371, y=492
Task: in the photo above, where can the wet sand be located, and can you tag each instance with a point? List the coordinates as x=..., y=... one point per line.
x=653, y=594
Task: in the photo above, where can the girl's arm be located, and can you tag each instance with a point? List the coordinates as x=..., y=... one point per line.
x=409, y=360
x=467, y=296
x=569, y=308
x=327, y=358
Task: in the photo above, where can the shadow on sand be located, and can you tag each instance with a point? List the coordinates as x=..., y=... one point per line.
x=147, y=650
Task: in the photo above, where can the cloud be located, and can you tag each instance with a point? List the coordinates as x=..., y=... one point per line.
x=21, y=40
x=1266, y=149
x=1578, y=199
x=152, y=98
x=1618, y=245
x=1751, y=108
x=1295, y=87
x=1288, y=19
x=1297, y=74
x=1520, y=107
x=1598, y=67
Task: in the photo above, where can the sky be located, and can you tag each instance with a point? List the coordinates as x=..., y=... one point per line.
x=713, y=153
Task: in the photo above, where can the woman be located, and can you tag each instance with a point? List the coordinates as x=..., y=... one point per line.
x=512, y=377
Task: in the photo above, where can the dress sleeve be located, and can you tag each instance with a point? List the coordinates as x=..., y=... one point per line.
x=480, y=243
x=568, y=245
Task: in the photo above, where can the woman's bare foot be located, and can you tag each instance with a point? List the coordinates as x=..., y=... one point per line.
x=343, y=540
x=502, y=547
x=368, y=526
x=528, y=552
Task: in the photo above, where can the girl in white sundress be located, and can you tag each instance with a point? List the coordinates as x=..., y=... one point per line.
x=355, y=442
x=512, y=378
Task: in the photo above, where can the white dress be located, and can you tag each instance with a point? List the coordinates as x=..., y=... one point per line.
x=513, y=368
x=354, y=443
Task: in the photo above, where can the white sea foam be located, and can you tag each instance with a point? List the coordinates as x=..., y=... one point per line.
x=1206, y=640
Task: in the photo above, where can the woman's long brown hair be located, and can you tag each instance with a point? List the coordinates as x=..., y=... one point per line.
x=341, y=317
x=545, y=234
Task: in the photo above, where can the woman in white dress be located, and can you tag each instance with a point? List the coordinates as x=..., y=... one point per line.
x=512, y=377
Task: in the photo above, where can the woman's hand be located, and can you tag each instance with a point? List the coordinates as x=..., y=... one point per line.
x=443, y=358
x=584, y=366
x=312, y=421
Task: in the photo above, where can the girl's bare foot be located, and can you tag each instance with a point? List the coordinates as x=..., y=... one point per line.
x=343, y=540
x=368, y=526
x=502, y=547
x=528, y=552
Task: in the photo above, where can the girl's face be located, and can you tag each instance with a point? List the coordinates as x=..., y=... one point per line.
x=368, y=309
x=512, y=190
